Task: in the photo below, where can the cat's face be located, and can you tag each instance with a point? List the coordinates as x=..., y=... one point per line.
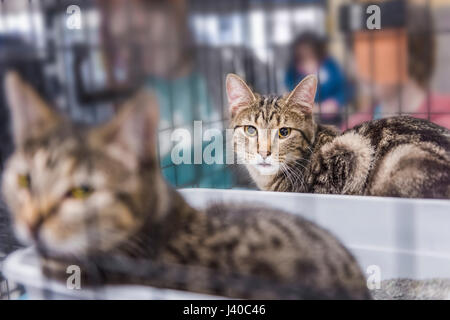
x=72, y=190
x=271, y=132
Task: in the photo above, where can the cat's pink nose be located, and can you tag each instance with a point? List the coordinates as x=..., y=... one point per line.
x=265, y=154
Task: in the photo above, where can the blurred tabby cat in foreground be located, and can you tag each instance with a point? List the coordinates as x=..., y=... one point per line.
x=285, y=150
x=95, y=197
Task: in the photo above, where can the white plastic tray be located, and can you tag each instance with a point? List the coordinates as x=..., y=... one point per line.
x=402, y=237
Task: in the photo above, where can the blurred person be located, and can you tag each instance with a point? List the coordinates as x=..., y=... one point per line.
x=153, y=45
x=310, y=56
x=394, y=68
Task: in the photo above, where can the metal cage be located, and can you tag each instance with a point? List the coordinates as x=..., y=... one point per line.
x=87, y=71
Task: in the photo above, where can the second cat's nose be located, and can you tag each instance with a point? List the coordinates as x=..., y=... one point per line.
x=34, y=227
x=34, y=231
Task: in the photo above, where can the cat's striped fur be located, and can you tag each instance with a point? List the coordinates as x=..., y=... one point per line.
x=399, y=156
x=134, y=228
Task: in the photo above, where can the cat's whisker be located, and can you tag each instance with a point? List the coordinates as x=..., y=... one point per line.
x=289, y=177
x=293, y=176
x=297, y=174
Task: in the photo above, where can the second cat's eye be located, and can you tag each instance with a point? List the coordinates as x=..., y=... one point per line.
x=284, y=132
x=80, y=193
x=24, y=181
x=250, y=130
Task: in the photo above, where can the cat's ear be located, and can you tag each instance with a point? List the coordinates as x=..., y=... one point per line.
x=238, y=93
x=133, y=131
x=30, y=115
x=304, y=93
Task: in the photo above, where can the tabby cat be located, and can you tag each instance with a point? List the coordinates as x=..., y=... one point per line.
x=95, y=197
x=284, y=149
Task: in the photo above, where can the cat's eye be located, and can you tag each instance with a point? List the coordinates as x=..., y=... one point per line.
x=80, y=193
x=284, y=132
x=250, y=130
x=24, y=181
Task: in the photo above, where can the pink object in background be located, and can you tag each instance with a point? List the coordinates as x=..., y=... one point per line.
x=438, y=106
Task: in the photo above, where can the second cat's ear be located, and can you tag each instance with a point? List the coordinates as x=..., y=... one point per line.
x=132, y=133
x=304, y=94
x=30, y=115
x=238, y=93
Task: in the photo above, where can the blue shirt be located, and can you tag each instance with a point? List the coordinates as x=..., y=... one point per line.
x=332, y=82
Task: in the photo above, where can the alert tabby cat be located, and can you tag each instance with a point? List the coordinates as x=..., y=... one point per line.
x=95, y=197
x=285, y=150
